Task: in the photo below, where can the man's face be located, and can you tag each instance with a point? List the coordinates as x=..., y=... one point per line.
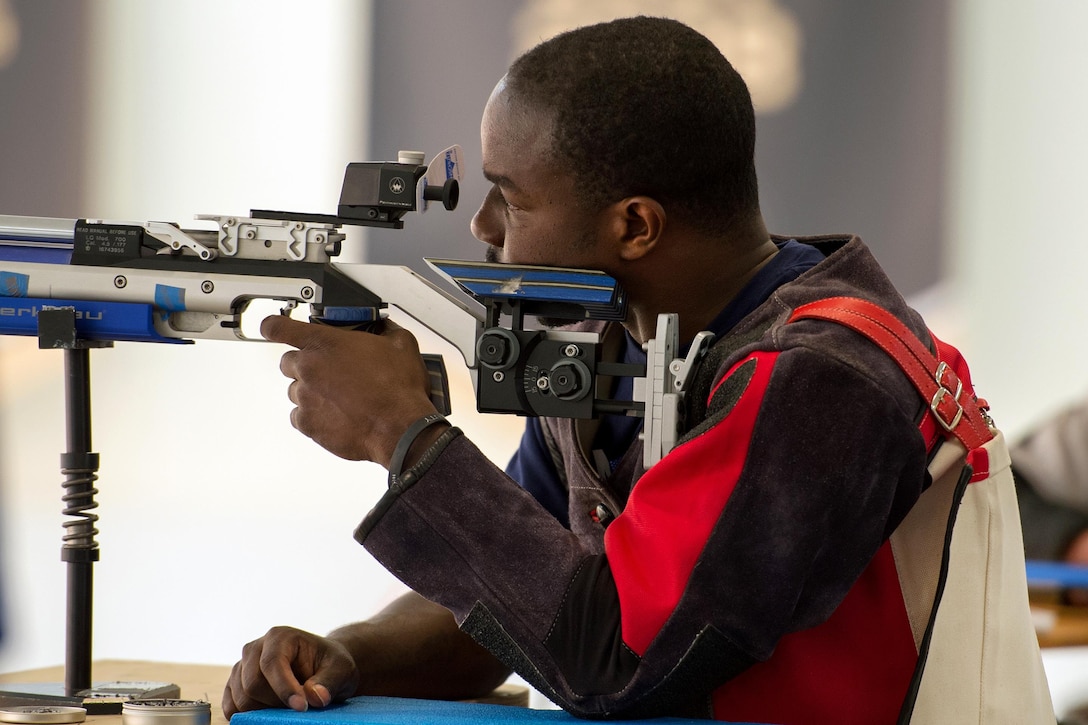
x=530, y=215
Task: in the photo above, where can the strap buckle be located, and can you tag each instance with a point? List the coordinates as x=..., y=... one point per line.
x=942, y=393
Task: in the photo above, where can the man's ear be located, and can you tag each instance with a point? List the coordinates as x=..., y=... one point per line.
x=637, y=224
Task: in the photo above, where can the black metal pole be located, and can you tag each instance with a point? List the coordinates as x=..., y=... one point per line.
x=80, y=549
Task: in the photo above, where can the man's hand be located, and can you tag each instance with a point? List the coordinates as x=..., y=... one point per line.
x=292, y=668
x=356, y=392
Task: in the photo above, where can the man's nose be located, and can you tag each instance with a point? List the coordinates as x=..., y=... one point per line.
x=487, y=226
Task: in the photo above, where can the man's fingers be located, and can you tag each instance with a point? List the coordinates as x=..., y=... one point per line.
x=299, y=334
x=335, y=678
x=292, y=388
x=289, y=364
x=275, y=663
x=272, y=669
x=281, y=328
x=247, y=689
x=229, y=705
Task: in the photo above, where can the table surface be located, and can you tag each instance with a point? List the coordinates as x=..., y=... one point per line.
x=1058, y=624
x=197, y=682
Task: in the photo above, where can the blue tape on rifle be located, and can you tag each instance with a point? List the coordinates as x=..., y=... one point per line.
x=339, y=314
x=170, y=298
x=14, y=284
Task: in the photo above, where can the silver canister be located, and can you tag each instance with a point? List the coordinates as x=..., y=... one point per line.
x=166, y=712
x=43, y=715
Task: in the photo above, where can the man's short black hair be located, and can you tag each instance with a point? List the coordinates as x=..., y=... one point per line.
x=648, y=106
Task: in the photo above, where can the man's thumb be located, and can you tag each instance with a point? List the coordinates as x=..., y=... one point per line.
x=317, y=695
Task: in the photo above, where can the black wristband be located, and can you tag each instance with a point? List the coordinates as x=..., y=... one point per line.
x=396, y=463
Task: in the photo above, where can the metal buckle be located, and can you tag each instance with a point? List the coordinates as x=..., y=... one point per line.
x=943, y=392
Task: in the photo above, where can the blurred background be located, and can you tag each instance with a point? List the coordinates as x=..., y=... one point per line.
x=948, y=133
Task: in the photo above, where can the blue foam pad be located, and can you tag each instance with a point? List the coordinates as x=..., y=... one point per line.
x=404, y=711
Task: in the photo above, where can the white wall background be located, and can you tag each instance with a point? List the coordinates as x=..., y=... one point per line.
x=1018, y=213
x=218, y=520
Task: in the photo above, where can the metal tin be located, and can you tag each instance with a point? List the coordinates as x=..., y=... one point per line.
x=166, y=712
x=43, y=714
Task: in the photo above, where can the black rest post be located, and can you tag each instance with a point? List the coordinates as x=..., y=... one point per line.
x=57, y=330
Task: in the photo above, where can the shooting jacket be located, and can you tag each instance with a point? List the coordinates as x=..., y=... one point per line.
x=778, y=565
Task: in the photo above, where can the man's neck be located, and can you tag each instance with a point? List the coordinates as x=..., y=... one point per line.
x=699, y=292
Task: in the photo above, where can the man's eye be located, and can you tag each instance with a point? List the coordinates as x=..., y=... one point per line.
x=501, y=198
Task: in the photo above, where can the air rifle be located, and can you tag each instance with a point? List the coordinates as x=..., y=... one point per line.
x=158, y=282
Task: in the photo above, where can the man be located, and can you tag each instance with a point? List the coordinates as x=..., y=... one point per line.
x=780, y=564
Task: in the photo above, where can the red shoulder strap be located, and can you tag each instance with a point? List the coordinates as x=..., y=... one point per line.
x=945, y=382
x=952, y=404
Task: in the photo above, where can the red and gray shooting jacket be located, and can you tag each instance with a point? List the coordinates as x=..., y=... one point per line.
x=778, y=565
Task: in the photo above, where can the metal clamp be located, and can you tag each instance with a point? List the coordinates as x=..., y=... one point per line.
x=177, y=239
x=683, y=368
x=275, y=239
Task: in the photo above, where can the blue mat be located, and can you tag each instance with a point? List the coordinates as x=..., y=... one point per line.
x=1054, y=574
x=403, y=711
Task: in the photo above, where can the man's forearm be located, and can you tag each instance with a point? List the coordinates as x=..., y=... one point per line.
x=413, y=648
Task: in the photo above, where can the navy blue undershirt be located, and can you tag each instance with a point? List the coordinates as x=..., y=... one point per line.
x=532, y=466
